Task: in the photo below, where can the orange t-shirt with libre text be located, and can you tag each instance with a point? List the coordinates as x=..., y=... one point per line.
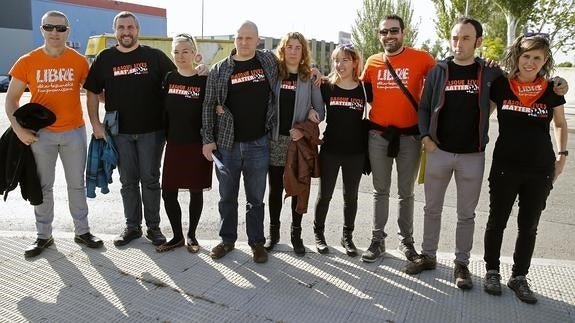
x=55, y=82
x=390, y=106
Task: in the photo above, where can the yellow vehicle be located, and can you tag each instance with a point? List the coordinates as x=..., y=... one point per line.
x=211, y=50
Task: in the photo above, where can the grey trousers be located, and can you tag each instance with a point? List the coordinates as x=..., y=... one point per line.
x=468, y=172
x=71, y=146
x=407, y=164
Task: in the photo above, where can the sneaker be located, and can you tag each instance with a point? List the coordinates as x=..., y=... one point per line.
x=462, y=276
x=320, y=243
x=156, y=236
x=260, y=253
x=89, y=240
x=375, y=250
x=520, y=286
x=408, y=251
x=37, y=247
x=492, y=282
x=421, y=263
x=126, y=236
x=221, y=250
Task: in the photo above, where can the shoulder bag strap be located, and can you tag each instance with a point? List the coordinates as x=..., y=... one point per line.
x=364, y=100
x=400, y=83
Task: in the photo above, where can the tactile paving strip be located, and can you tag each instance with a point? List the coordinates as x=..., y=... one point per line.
x=68, y=283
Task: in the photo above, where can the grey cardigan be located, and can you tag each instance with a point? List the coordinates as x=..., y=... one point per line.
x=307, y=96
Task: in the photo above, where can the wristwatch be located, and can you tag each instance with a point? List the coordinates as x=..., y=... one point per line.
x=564, y=153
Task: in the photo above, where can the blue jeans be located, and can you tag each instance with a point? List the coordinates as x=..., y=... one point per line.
x=139, y=161
x=252, y=159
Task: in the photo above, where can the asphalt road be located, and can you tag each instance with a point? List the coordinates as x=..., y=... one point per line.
x=555, y=236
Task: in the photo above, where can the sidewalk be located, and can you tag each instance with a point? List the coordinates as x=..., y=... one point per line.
x=68, y=283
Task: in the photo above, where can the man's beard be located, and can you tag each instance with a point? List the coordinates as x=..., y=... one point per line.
x=132, y=42
x=394, y=47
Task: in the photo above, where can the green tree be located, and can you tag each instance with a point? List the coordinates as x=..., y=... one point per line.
x=557, y=18
x=438, y=49
x=365, y=32
x=493, y=48
x=449, y=10
x=516, y=12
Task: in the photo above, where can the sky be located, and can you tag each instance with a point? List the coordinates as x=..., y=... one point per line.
x=319, y=19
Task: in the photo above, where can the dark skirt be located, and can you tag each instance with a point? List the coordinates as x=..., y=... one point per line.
x=186, y=167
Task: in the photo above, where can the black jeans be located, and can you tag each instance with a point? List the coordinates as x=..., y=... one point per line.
x=351, y=168
x=504, y=187
x=275, y=198
x=174, y=212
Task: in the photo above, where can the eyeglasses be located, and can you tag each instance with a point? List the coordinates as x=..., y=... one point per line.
x=536, y=34
x=393, y=31
x=59, y=28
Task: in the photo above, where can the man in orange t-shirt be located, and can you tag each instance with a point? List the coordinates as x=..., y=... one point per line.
x=54, y=74
x=394, y=135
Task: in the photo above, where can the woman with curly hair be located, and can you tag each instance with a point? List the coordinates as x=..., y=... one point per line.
x=297, y=99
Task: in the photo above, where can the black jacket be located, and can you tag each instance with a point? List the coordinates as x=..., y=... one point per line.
x=18, y=167
x=17, y=164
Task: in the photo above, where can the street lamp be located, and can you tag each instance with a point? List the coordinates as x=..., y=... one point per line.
x=202, y=19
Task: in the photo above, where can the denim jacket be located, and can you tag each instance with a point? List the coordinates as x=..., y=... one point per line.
x=220, y=128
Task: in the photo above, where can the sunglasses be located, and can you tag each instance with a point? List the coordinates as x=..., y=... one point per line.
x=59, y=28
x=187, y=36
x=348, y=46
x=393, y=31
x=536, y=34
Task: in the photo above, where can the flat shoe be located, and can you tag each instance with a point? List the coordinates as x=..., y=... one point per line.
x=193, y=246
x=167, y=247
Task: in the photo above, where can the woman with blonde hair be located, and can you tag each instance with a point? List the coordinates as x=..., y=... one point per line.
x=184, y=165
x=524, y=162
x=297, y=99
x=345, y=98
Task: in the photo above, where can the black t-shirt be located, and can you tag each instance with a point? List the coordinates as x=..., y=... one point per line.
x=458, y=120
x=247, y=99
x=132, y=83
x=343, y=133
x=524, y=142
x=184, y=98
x=287, y=103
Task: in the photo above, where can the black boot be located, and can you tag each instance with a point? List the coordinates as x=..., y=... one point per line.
x=273, y=238
x=296, y=241
x=347, y=243
x=320, y=243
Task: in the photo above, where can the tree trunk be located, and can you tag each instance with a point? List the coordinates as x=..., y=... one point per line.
x=512, y=22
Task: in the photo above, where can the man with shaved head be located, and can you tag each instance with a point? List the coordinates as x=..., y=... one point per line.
x=237, y=116
x=54, y=73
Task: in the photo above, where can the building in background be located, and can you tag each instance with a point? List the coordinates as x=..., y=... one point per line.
x=320, y=49
x=20, y=23
x=20, y=27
